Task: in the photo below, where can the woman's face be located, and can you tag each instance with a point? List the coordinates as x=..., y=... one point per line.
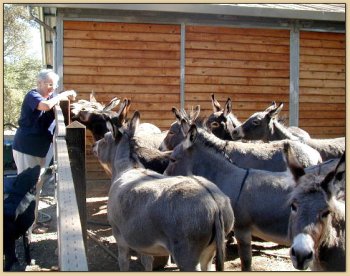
x=46, y=87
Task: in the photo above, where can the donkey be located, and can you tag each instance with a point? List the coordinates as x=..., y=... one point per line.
x=153, y=214
x=222, y=121
x=175, y=135
x=265, y=126
x=296, y=131
x=265, y=156
x=317, y=219
x=93, y=115
x=145, y=144
x=257, y=197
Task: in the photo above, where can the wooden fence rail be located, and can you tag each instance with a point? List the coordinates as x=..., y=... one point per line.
x=71, y=218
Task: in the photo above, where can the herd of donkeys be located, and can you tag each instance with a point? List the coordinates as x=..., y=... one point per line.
x=183, y=192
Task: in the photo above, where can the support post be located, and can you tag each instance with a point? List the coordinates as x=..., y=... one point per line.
x=294, y=74
x=75, y=138
x=182, y=66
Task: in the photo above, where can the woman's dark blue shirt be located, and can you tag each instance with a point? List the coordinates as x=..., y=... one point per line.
x=32, y=136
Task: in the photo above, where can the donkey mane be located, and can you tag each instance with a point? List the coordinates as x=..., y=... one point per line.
x=211, y=142
x=275, y=124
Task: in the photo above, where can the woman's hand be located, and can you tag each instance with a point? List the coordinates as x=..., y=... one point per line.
x=69, y=94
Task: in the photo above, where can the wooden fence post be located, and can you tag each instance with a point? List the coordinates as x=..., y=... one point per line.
x=65, y=107
x=75, y=138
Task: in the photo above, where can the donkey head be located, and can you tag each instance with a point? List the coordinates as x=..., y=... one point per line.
x=315, y=213
x=104, y=149
x=181, y=151
x=222, y=122
x=259, y=125
x=175, y=135
x=93, y=115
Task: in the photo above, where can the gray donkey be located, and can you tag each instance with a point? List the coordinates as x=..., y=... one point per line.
x=265, y=126
x=175, y=135
x=317, y=219
x=222, y=121
x=156, y=215
x=258, y=197
x=266, y=156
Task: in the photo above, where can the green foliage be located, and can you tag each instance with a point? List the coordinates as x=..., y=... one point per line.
x=20, y=68
x=19, y=78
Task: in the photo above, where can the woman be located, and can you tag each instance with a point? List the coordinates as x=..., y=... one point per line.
x=33, y=137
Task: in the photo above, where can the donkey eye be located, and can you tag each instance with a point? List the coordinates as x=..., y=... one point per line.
x=256, y=122
x=325, y=214
x=339, y=176
x=293, y=207
x=172, y=159
x=214, y=124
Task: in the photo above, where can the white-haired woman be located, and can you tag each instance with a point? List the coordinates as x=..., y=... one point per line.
x=33, y=137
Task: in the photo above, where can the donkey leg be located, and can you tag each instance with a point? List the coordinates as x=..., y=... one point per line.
x=187, y=256
x=147, y=262
x=244, y=242
x=123, y=257
x=206, y=259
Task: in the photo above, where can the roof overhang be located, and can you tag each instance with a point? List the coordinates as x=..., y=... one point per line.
x=278, y=11
x=315, y=17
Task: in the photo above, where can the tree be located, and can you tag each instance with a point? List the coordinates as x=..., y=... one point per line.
x=20, y=68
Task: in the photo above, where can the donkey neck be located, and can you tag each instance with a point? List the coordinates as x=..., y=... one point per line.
x=277, y=131
x=331, y=253
x=123, y=159
x=233, y=121
x=211, y=162
x=336, y=225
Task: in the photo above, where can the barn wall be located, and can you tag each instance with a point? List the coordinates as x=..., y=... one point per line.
x=138, y=61
x=251, y=66
x=322, y=84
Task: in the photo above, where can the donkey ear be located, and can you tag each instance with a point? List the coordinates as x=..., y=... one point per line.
x=185, y=126
x=228, y=107
x=273, y=112
x=134, y=123
x=294, y=166
x=112, y=104
x=177, y=114
x=215, y=103
x=92, y=97
x=191, y=136
x=334, y=182
x=111, y=124
x=123, y=111
x=271, y=107
x=195, y=113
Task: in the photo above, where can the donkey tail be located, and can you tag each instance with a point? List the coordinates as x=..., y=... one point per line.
x=220, y=241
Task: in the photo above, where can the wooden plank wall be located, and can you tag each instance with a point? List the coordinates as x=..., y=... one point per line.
x=322, y=84
x=249, y=65
x=142, y=62
x=138, y=61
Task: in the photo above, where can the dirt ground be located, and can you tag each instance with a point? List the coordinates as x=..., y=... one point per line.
x=102, y=248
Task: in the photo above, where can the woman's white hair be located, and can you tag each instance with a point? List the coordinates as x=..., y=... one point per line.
x=45, y=73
